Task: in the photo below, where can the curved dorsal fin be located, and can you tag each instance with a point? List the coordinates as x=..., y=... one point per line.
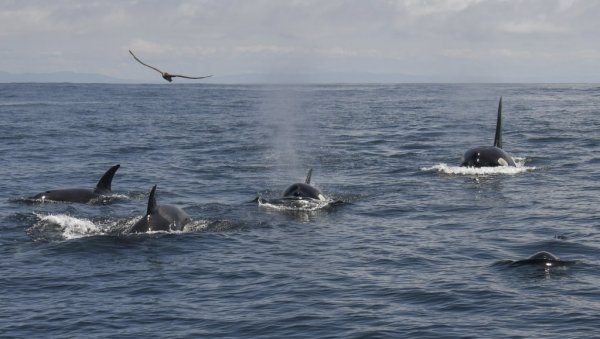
x=498, y=137
x=104, y=184
x=307, y=181
x=151, y=201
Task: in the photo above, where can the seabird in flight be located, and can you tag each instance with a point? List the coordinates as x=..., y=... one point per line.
x=167, y=76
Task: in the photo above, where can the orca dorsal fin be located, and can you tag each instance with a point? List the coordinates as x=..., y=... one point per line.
x=151, y=201
x=104, y=184
x=498, y=137
x=307, y=181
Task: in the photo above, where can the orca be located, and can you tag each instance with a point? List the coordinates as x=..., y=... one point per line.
x=303, y=190
x=81, y=195
x=543, y=259
x=489, y=156
x=160, y=217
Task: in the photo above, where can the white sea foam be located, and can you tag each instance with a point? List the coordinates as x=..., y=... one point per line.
x=294, y=204
x=192, y=226
x=69, y=227
x=459, y=170
x=195, y=226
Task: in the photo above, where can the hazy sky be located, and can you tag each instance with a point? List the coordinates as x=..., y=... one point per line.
x=446, y=40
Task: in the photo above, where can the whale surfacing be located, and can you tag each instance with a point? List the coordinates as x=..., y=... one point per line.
x=544, y=259
x=81, y=195
x=489, y=156
x=160, y=217
x=303, y=190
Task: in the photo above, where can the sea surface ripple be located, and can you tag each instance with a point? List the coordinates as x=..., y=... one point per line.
x=415, y=248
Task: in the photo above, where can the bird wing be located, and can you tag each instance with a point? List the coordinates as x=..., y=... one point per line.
x=140, y=61
x=184, y=76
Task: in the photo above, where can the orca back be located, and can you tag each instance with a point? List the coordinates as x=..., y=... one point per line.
x=160, y=217
x=543, y=258
x=79, y=195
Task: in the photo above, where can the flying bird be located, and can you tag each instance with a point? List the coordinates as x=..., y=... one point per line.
x=167, y=76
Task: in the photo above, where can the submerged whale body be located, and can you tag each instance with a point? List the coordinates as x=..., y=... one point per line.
x=303, y=190
x=489, y=156
x=544, y=259
x=81, y=195
x=160, y=217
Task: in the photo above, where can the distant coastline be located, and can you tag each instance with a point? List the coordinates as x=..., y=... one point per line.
x=59, y=77
x=281, y=78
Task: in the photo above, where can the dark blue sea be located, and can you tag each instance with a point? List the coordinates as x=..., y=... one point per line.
x=416, y=247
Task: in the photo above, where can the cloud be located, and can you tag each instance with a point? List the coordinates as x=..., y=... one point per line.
x=145, y=46
x=396, y=36
x=267, y=49
x=528, y=27
x=419, y=8
x=23, y=20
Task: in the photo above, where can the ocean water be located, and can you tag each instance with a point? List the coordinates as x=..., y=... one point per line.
x=416, y=246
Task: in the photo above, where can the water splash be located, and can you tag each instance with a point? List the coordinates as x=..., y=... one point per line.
x=63, y=227
x=481, y=171
x=286, y=204
x=60, y=227
x=196, y=226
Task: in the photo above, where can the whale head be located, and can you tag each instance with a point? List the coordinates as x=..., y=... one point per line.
x=303, y=190
x=486, y=156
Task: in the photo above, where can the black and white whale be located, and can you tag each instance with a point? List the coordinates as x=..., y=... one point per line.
x=542, y=259
x=81, y=195
x=160, y=217
x=489, y=156
x=303, y=190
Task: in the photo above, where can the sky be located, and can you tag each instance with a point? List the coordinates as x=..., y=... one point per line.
x=307, y=40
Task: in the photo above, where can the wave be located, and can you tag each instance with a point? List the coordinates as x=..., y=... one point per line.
x=297, y=205
x=60, y=227
x=481, y=171
x=49, y=103
x=191, y=227
x=64, y=227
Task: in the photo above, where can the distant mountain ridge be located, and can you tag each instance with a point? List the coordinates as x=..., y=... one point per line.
x=247, y=78
x=276, y=78
x=75, y=77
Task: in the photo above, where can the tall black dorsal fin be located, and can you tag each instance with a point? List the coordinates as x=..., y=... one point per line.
x=104, y=185
x=307, y=181
x=151, y=201
x=498, y=137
